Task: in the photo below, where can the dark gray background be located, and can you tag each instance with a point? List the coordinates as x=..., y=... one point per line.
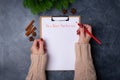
x=103, y=15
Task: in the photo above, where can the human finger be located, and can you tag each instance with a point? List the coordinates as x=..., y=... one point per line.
x=78, y=31
x=41, y=44
x=34, y=43
x=82, y=33
x=89, y=28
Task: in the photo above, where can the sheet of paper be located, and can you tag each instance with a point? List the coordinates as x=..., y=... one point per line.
x=60, y=38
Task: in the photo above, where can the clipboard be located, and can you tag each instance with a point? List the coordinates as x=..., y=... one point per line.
x=60, y=36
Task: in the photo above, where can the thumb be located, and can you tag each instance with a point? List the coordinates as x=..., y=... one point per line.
x=82, y=34
x=41, y=43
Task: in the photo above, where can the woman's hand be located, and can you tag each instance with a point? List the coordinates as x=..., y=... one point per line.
x=37, y=46
x=84, y=38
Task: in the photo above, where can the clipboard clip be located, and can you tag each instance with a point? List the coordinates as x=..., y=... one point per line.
x=60, y=18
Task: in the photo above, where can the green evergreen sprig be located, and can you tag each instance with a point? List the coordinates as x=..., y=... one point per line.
x=37, y=6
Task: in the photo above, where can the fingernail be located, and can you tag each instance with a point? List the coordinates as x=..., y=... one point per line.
x=37, y=44
x=78, y=32
x=41, y=39
x=82, y=25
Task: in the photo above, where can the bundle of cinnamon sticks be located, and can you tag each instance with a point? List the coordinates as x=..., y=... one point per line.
x=30, y=31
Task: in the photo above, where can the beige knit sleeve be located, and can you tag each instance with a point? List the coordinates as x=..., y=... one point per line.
x=37, y=67
x=41, y=67
x=84, y=68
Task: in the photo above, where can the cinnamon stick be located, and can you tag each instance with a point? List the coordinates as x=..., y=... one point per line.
x=30, y=31
x=29, y=25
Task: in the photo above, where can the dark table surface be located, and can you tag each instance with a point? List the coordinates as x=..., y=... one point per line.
x=103, y=15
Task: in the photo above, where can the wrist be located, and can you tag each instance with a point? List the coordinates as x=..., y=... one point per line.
x=83, y=42
x=34, y=53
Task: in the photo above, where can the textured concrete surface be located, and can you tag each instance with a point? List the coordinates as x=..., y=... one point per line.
x=103, y=15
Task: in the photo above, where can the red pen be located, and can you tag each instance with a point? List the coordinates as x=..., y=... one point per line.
x=85, y=29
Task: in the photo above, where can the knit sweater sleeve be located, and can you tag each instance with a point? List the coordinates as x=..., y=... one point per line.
x=84, y=68
x=41, y=67
x=37, y=67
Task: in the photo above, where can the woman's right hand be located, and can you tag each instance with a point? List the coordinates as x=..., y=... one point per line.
x=84, y=38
